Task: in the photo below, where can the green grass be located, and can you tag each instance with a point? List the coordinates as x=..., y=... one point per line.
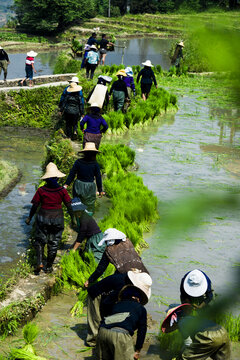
x=8, y=172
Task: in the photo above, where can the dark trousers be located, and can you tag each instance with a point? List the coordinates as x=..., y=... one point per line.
x=90, y=68
x=71, y=124
x=48, y=231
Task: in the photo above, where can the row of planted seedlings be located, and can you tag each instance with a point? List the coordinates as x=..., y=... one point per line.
x=133, y=208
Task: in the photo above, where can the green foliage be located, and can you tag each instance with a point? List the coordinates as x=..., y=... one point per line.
x=171, y=342
x=232, y=324
x=16, y=36
x=30, y=332
x=45, y=16
x=8, y=172
x=36, y=108
x=109, y=154
x=66, y=64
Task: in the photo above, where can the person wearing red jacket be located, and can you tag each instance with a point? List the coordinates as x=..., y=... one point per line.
x=50, y=219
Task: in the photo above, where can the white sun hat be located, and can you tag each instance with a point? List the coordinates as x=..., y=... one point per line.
x=112, y=234
x=148, y=63
x=129, y=71
x=52, y=171
x=181, y=43
x=93, y=47
x=195, y=283
x=141, y=280
x=32, y=53
x=74, y=79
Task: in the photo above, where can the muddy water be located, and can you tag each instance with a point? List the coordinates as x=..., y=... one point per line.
x=25, y=148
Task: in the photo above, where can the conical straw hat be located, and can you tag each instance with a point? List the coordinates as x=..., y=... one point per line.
x=89, y=146
x=73, y=87
x=52, y=171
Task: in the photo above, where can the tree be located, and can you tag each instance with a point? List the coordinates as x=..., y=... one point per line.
x=143, y=6
x=46, y=16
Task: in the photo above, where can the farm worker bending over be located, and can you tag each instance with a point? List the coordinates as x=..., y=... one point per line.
x=96, y=125
x=114, y=339
x=178, y=54
x=87, y=228
x=120, y=252
x=99, y=307
x=50, y=219
x=99, y=94
x=119, y=91
x=129, y=81
x=203, y=337
x=147, y=77
x=87, y=169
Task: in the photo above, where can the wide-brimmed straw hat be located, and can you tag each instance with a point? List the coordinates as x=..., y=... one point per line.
x=121, y=72
x=195, y=283
x=148, y=63
x=74, y=87
x=90, y=146
x=52, y=171
x=129, y=71
x=74, y=79
x=32, y=53
x=136, y=291
x=93, y=47
x=112, y=234
x=181, y=43
x=170, y=323
x=141, y=280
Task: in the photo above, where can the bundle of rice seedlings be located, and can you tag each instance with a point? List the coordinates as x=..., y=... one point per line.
x=21, y=354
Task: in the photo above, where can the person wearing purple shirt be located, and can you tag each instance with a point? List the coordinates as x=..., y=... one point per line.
x=96, y=125
x=129, y=81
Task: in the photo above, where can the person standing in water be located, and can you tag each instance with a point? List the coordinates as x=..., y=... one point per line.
x=147, y=78
x=178, y=54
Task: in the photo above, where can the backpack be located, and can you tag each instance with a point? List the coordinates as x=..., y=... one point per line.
x=72, y=103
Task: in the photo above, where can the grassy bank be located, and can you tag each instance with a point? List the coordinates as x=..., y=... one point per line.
x=9, y=174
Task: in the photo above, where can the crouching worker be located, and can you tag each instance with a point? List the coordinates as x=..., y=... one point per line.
x=114, y=339
x=120, y=252
x=87, y=228
x=203, y=338
x=50, y=219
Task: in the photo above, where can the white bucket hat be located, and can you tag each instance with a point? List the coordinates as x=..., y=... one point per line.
x=195, y=283
x=52, y=171
x=129, y=71
x=111, y=234
x=90, y=146
x=32, y=53
x=87, y=47
x=141, y=280
x=147, y=63
x=73, y=87
x=93, y=47
x=74, y=79
x=105, y=77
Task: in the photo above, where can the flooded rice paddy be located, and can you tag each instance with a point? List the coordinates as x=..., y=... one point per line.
x=196, y=149
x=136, y=51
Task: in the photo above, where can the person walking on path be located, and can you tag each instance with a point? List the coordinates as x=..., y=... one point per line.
x=114, y=339
x=86, y=50
x=92, y=40
x=99, y=94
x=87, y=169
x=50, y=219
x=178, y=54
x=87, y=228
x=64, y=94
x=203, y=338
x=147, y=77
x=119, y=91
x=104, y=294
x=120, y=252
x=29, y=67
x=4, y=62
x=72, y=107
x=92, y=61
x=96, y=126
x=103, y=44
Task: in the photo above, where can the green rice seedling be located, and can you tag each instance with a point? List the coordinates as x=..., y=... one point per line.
x=231, y=324
x=21, y=354
x=134, y=69
x=30, y=332
x=77, y=309
x=128, y=121
x=138, y=68
x=171, y=342
x=158, y=69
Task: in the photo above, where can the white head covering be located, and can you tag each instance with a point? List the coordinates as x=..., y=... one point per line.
x=148, y=63
x=32, y=53
x=110, y=235
x=74, y=79
x=195, y=283
x=129, y=71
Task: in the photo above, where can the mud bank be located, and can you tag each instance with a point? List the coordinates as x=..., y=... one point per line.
x=6, y=190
